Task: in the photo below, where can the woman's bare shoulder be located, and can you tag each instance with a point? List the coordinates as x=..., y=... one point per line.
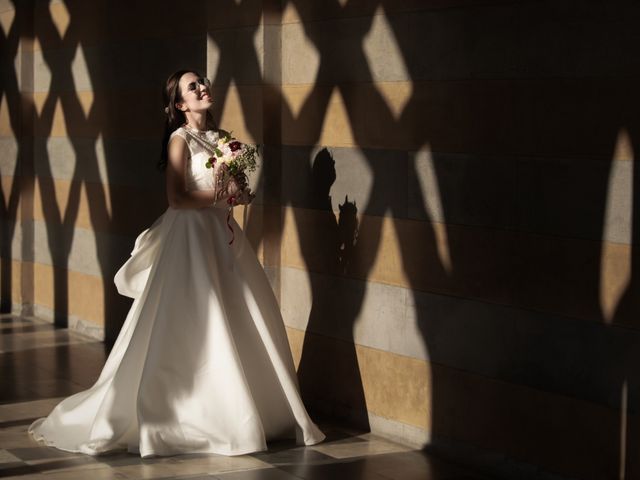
x=177, y=146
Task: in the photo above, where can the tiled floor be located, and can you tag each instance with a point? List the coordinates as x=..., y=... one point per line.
x=40, y=365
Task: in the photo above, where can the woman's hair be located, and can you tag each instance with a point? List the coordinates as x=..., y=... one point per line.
x=175, y=117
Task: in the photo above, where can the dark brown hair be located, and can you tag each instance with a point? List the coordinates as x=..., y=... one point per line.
x=175, y=117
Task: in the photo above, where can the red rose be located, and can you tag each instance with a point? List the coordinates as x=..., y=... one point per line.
x=235, y=145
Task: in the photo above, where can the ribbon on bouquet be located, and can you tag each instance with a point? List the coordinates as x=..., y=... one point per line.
x=230, y=201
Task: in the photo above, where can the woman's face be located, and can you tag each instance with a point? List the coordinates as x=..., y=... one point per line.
x=196, y=96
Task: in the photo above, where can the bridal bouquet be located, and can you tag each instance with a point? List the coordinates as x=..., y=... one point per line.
x=235, y=159
x=240, y=158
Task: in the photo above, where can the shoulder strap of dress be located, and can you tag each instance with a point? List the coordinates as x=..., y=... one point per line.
x=203, y=143
x=180, y=132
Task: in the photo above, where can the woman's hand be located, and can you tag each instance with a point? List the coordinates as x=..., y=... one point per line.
x=234, y=187
x=245, y=197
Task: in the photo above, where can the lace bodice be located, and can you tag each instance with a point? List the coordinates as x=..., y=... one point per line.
x=201, y=144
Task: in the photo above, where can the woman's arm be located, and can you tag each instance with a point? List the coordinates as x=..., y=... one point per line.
x=177, y=193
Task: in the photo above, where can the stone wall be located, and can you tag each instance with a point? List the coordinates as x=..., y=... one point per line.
x=446, y=205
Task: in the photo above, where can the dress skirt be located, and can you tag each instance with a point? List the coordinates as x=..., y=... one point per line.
x=202, y=363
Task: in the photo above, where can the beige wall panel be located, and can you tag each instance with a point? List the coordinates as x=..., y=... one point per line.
x=142, y=63
x=79, y=249
x=300, y=57
x=616, y=274
x=98, y=207
x=528, y=424
x=52, y=21
x=459, y=116
x=10, y=193
x=8, y=155
x=99, y=21
x=378, y=257
x=6, y=129
x=7, y=5
x=313, y=11
x=251, y=221
x=296, y=337
x=563, y=275
x=14, y=249
x=6, y=20
x=314, y=115
x=110, y=114
x=554, y=431
x=15, y=269
x=85, y=293
x=121, y=161
x=361, y=49
x=623, y=146
x=396, y=387
x=246, y=13
x=226, y=45
x=545, y=273
x=239, y=109
x=366, y=313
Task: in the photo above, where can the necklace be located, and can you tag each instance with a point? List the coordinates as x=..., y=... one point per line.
x=194, y=130
x=201, y=137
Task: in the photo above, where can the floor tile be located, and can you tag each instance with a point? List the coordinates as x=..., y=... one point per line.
x=42, y=365
x=293, y=456
x=261, y=474
x=358, y=449
x=8, y=457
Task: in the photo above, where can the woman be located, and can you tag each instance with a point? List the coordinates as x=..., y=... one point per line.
x=202, y=363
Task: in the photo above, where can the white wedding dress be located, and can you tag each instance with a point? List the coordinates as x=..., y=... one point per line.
x=202, y=363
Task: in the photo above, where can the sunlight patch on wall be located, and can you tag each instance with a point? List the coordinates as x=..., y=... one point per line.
x=290, y=14
x=25, y=45
x=86, y=101
x=386, y=61
x=60, y=17
x=58, y=122
x=213, y=58
x=81, y=76
x=258, y=46
x=6, y=21
x=336, y=128
x=623, y=149
x=38, y=104
x=55, y=195
x=42, y=73
x=5, y=117
x=300, y=57
x=8, y=155
x=342, y=190
x=428, y=181
x=396, y=95
x=232, y=117
x=615, y=263
x=104, y=175
x=8, y=182
x=294, y=98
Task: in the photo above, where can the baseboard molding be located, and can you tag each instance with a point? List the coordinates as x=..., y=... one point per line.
x=74, y=323
x=409, y=435
x=493, y=464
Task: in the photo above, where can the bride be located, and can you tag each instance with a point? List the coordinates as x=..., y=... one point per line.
x=202, y=363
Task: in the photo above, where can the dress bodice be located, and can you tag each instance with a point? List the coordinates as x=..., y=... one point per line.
x=201, y=145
